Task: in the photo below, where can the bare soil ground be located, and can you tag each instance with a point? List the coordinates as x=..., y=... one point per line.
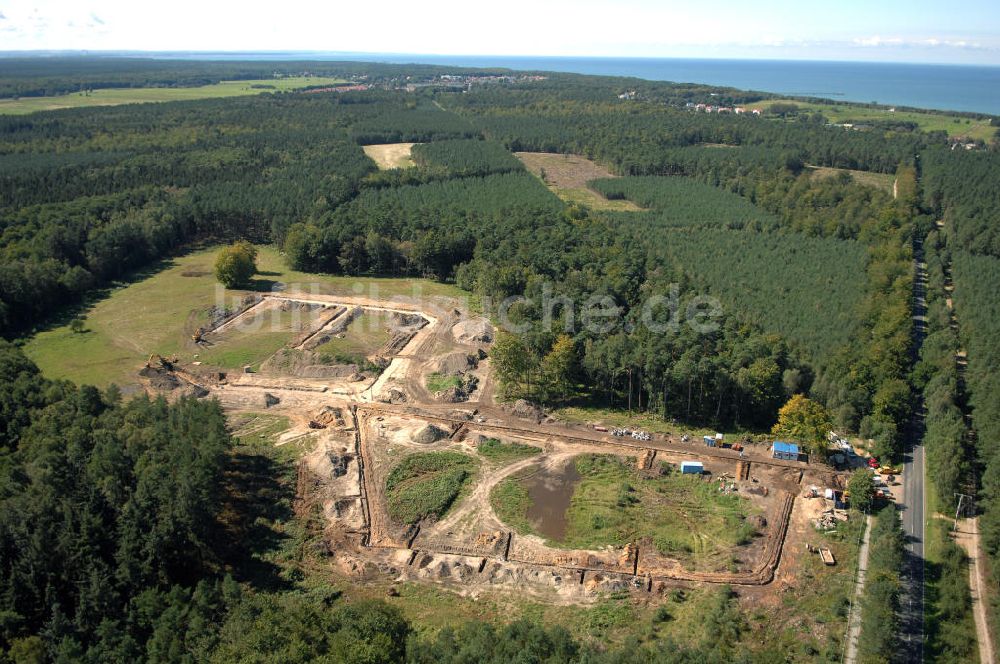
x=390, y=155
x=358, y=430
x=567, y=176
x=967, y=536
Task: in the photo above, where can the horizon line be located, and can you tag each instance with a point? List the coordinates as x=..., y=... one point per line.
x=111, y=52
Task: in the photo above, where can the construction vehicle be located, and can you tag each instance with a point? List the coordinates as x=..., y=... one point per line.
x=157, y=361
x=198, y=335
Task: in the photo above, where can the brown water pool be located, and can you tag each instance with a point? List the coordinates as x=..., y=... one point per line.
x=550, y=491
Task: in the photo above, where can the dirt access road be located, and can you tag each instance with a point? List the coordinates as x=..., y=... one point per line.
x=967, y=536
x=854, y=622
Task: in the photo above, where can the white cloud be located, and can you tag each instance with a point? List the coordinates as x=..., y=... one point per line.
x=638, y=28
x=876, y=41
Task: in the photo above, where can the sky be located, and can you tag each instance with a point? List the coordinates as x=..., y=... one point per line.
x=959, y=31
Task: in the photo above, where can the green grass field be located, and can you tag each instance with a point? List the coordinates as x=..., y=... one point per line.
x=424, y=485
x=257, y=428
x=510, y=501
x=501, y=452
x=648, y=421
x=364, y=335
x=683, y=516
x=439, y=383
x=116, y=96
x=957, y=127
x=157, y=312
x=255, y=339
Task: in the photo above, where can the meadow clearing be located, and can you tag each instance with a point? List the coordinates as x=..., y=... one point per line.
x=159, y=309
x=117, y=96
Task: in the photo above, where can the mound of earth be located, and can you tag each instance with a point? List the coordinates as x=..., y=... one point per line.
x=160, y=378
x=401, y=320
x=474, y=330
x=527, y=410
x=196, y=391
x=452, y=395
x=330, y=416
x=454, y=364
x=429, y=434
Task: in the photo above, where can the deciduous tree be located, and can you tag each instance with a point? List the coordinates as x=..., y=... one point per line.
x=235, y=265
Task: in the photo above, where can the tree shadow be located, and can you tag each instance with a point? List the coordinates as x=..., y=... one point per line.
x=256, y=500
x=266, y=285
x=64, y=314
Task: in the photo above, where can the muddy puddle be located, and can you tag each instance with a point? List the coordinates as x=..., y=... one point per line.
x=550, y=491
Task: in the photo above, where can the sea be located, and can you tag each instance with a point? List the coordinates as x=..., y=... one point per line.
x=934, y=86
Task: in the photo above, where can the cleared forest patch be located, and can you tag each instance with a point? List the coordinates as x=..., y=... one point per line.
x=568, y=177
x=117, y=96
x=158, y=312
x=390, y=155
x=883, y=181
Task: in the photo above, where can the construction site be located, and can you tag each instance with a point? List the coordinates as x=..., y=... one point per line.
x=407, y=478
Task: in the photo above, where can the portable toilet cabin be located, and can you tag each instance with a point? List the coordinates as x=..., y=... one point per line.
x=786, y=451
x=692, y=468
x=709, y=441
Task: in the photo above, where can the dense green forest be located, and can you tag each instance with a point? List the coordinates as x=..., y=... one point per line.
x=880, y=605
x=37, y=77
x=96, y=200
x=116, y=532
x=682, y=201
x=951, y=459
x=465, y=158
x=118, y=543
x=960, y=191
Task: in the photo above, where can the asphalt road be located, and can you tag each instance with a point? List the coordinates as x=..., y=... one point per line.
x=912, y=600
x=911, y=503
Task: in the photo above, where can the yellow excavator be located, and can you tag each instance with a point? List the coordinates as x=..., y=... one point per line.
x=198, y=336
x=157, y=361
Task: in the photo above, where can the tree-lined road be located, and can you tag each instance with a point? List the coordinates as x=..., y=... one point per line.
x=912, y=500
